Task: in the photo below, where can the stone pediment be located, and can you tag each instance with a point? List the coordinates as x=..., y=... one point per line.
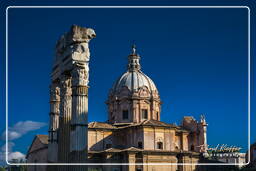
x=39, y=142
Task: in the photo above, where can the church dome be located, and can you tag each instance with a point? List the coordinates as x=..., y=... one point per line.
x=134, y=78
x=134, y=96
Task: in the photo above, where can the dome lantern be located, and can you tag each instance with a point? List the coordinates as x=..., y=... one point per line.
x=134, y=60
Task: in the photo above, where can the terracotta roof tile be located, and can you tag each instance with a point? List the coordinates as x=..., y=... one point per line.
x=156, y=123
x=100, y=125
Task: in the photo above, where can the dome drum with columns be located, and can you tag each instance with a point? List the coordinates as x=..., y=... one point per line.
x=134, y=96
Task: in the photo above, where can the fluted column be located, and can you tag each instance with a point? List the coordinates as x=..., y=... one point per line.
x=71, y=67
x=65, y=117
x=79, y=123
x=54, y=122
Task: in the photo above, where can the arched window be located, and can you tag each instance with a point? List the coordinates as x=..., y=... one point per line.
x=159, y=145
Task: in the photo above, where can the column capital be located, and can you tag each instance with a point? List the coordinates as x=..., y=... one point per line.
x=65, y=81
x=54, y=93
x=80, y=74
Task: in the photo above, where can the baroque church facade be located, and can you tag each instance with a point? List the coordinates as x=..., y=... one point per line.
x=133, y=133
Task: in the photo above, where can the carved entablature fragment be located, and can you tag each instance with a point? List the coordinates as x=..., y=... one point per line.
x=75, y=44
x=79, y=34
x=80, y=52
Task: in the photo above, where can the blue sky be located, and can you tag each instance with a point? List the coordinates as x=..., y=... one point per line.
x=196, y=57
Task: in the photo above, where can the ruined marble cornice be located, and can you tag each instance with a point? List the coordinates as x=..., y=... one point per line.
x=72, y=47
x=75, y=35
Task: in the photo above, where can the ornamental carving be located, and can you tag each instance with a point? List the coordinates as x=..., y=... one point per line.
x=80, y=52
x=54, y=93
x=80, y=75
x=66, y=99
x=65, y=86
x=144, y=92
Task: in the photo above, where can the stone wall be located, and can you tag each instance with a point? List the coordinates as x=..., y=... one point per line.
x=37, y=154
x=148, y=137
x=157, y=161
x=170, y=139
x=98, y=139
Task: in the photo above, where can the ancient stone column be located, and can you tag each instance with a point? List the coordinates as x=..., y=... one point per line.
x=80, y=80
x=54, y=122
x=65, y=117
x=71, y=69
x=79, y=123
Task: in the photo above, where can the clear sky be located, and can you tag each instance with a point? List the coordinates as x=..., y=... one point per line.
x=196, y=57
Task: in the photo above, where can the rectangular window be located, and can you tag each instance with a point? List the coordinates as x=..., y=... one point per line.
x=125, y=114
x=144, y=114
x=140, y=144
